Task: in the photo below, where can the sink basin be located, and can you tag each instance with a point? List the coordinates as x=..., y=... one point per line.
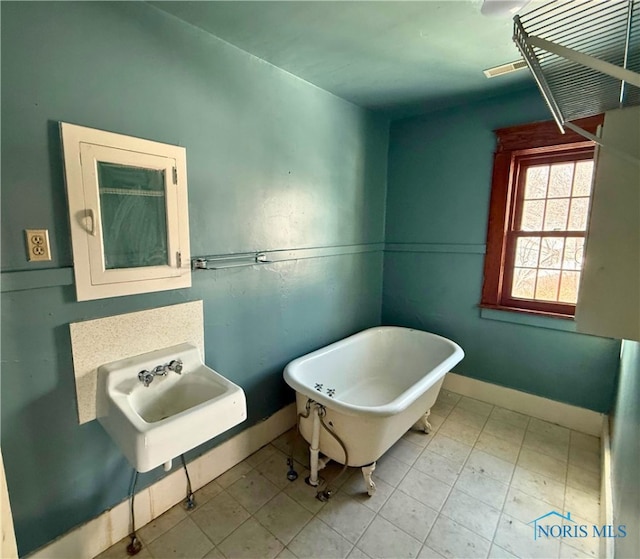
x=175, y=413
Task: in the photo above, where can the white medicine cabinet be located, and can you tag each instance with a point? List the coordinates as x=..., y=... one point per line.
x=128, y=213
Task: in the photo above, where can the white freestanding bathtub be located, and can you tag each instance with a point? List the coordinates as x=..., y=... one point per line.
x=369, y=389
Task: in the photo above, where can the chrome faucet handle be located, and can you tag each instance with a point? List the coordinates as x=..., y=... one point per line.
x=160, y=370
x=145, y=377
x=175, y=366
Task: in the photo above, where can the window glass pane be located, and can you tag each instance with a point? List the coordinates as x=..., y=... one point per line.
x=569, y=287
x=582, y=179
x=578, y=214
x=573, y=251
x=532, y=214
x=560, y=180
x=524, y=281
x=555, y=218
x=133, y=216
x=527, y=252
x=551, y=252
x=547, y=285
x=536, y=179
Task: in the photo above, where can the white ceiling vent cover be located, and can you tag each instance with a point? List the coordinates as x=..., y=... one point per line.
x=505, y=69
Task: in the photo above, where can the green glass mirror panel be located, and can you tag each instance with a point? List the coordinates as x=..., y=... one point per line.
x=133, y=216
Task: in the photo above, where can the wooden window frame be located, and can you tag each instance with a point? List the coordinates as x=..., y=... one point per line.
x=542, y=141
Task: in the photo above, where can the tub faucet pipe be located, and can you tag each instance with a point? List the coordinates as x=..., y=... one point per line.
x=326, y=494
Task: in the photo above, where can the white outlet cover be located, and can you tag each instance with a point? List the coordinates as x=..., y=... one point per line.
x=38, y=248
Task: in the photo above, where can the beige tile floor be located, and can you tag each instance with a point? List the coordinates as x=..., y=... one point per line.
x=466, y=490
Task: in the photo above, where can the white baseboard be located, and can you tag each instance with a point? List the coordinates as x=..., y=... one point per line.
x=606, y=491
x=573, y=417
x=93, y=537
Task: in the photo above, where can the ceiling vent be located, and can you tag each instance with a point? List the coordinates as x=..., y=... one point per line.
x=505, y=69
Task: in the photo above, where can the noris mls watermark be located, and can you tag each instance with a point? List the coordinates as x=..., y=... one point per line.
x=557, y=525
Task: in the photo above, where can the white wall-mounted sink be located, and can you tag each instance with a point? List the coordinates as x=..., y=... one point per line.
x=173, y=414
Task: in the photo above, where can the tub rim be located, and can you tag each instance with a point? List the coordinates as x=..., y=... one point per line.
x=398, y=404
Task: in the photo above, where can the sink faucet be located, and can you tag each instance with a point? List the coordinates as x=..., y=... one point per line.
x=175, y=366
x=146, y=377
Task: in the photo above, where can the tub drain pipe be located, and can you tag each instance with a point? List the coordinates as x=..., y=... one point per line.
x=314, y=449
x=317, y=462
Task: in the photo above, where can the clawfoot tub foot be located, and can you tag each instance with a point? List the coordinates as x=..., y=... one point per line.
x=423, y=423
x=367, y=471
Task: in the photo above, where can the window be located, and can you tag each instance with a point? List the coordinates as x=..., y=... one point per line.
x=538, y=218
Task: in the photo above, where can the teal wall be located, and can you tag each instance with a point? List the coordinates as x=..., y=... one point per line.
x=625, y=452
x=437, y=205
x=273, y=163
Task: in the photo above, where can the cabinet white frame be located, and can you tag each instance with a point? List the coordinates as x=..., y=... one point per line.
x=83, y=148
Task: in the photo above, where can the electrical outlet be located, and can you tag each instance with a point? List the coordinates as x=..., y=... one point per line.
x=37, y=245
